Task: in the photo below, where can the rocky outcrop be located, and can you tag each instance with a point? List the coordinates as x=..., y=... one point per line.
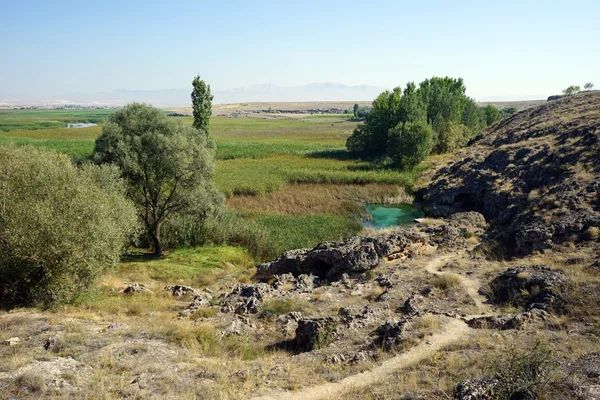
x=534, y=287
x=245, y=299
x=534, y=176
x=181, y=290
x=509, y=321
x=331, y=260
x=390, y=335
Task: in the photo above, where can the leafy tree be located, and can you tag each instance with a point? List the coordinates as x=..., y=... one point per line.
x=571, y=90
x=492, y=114
x=60, y=226
x=168, y=166
x=409, y=143
x=355, y=110
x=201, y=105
x=588, y=86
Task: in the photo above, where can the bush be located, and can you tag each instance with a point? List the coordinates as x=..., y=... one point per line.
x=60, y=226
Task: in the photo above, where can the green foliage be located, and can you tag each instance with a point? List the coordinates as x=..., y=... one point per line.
x=287, y=232
x=355, y=110
x=453, y=136
x=409, y=143
x=492, y=114
x=588, y=86
x=439, y=102
x=168, y=166
x=201, y=105
x=571, y=90
x=60, y=226
x=225, y=228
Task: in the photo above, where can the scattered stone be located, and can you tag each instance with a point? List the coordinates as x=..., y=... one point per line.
x=337, y=359
x=358, y=358
x=205, y=374
x=590, y=364
x=284, y=280
x=181, y=290
x=133, y=288
x=412, y=306
x=315, y=333
x=390, y=335
x=509, y=321
x=476, y=389
x=200, y=300
x=245, y=299
x=384, y=281
x=294, y=316
x=13, y=341
x=50, y=343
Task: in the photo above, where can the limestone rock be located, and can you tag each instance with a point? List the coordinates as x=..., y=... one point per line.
x=315, y=333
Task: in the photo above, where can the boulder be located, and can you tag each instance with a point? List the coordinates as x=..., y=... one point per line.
x=133, y=288
x=315, y=333
x=533, y=287
x=245, y=299
x=390, y=335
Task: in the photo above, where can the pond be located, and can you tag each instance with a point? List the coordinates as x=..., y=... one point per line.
x=80, y=125
x=389, y=215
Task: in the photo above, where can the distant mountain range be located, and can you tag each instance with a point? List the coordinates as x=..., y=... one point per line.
x=268, y=92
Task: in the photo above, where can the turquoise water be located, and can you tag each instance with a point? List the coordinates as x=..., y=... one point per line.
x=387, y=215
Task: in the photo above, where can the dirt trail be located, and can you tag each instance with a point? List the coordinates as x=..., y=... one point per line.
x=471, y=286
x=453, y=331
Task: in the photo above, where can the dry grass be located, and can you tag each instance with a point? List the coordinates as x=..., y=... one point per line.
x=316, y=198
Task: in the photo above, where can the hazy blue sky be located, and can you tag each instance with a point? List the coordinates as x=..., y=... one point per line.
x=501, y=48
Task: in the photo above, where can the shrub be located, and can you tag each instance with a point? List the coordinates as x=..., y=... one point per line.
x=525, y=374
x=60, y=226
x=592, y=233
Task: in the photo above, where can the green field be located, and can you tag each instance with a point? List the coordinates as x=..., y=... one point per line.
x=254, y=157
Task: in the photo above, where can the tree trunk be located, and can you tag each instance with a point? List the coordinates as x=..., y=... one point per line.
x=156, y=242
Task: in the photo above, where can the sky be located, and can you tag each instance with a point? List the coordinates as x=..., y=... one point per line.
x=503, y=50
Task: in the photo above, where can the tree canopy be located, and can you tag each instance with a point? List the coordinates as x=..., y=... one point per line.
x=168, y=166
x=440, y=103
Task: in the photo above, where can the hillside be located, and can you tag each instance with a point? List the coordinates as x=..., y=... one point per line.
x=534, y=176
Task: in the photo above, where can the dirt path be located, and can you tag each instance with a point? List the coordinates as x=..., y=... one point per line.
x=471, y=286
x=453, y=331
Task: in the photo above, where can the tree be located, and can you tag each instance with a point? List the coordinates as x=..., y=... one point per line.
x=168, y=166
x=571, y=90
x=201, y=105
x=355, y=110
x=492, y=114
x=409, y=144
x=588, y=86
x=60, y=226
